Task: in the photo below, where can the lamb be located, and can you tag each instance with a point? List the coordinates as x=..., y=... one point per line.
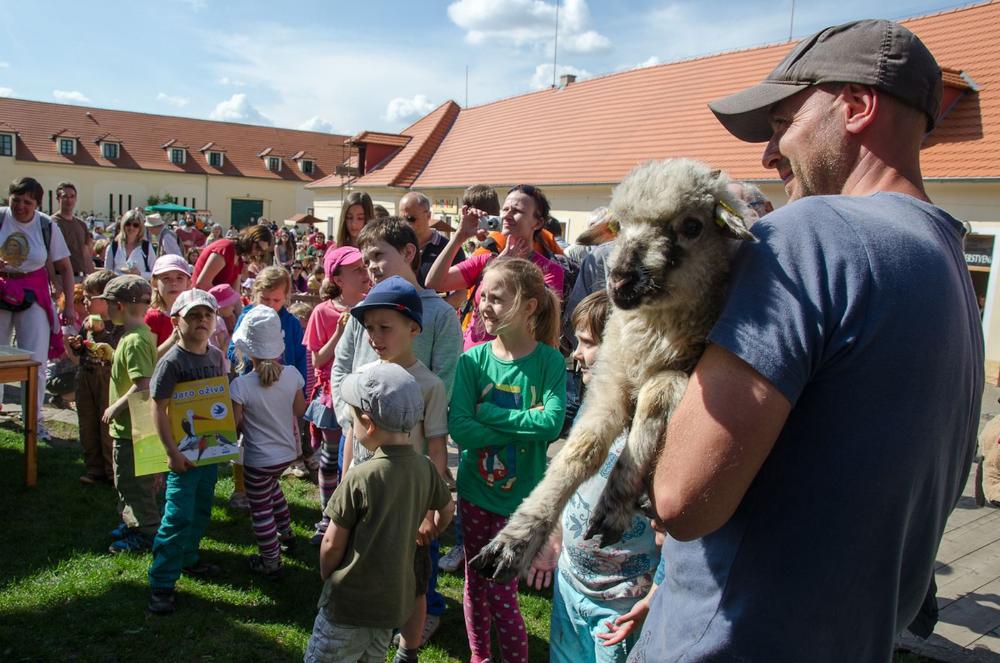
x=666, y=278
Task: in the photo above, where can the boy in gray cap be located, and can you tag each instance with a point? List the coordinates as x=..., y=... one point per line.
x=366, y=557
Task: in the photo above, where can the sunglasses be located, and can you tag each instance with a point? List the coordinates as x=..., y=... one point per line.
x=133, y=225
x=296, y=266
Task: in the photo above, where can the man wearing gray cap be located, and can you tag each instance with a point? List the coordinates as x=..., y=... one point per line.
x=827, y=431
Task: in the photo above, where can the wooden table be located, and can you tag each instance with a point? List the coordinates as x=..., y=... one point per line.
x=26, y=371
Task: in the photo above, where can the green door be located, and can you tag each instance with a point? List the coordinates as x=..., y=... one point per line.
x=245, y=212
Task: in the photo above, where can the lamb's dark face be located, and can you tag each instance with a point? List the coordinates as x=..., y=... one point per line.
x=654, y=257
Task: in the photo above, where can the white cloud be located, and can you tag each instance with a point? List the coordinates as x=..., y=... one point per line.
x=4, y=65
x=542, y=77
x=651, y=61
x=317, y=123
x=225, y=80
x=71, y=96
x=238, y=109
x=528, y=22
x=179, y=102
x=401, y=108
x=6, y=92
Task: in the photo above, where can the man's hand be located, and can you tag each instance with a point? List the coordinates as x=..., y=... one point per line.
x=427, y=532
x=545, y=562
x=620, y=629
x=179, y=463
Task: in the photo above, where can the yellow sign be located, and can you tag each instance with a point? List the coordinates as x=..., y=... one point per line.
x=201, y=418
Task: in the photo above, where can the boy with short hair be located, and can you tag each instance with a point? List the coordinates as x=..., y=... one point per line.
x=128, y=299
x=190, y=489
x=97, y=335
x=392, y=316
x=366, y=561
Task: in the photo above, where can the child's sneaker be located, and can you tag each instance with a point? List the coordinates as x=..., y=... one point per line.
x=452, y=561
x=431, y=624
x=132, y=542
x=317, y=537
x=119, y=532
x=201, y=569
x=161, y=602
x=239, y=502
x=270, y=570
x=288, y=541
x=298, y=470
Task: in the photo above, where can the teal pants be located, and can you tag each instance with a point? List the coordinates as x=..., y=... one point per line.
x=186, y=514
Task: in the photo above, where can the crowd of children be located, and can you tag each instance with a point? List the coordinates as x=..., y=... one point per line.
x=365, y=387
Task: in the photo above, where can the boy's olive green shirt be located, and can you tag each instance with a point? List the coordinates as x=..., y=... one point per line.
x=382, y=503
x=134, y=359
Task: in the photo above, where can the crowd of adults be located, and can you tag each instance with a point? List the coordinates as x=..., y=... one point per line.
x=827, y=431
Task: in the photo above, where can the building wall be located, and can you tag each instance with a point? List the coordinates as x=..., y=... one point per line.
x=94, y=185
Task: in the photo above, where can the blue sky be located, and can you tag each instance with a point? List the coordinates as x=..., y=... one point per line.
x=350, y=66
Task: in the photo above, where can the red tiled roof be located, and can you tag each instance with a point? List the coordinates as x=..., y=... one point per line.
x=595, y=131
x=145, y=137
x=380, y=138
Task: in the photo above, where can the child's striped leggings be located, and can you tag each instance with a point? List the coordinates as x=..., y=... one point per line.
x=268, y=508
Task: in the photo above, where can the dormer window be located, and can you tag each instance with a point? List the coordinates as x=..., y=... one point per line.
x=215, y=159
x=274, y=164
x=110, y=150
x=178, y=155
x=6, y=145
x=307, y=166
x=67, y=146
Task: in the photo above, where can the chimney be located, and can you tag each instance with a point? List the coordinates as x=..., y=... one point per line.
x=566, y=79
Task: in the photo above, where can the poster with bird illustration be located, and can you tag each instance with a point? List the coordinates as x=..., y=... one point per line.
x=201, y=418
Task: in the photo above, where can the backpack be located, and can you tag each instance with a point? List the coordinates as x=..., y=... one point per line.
x=45, y=222
x=145, y=254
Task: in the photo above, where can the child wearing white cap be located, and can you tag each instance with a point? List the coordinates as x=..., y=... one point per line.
x=266, y=402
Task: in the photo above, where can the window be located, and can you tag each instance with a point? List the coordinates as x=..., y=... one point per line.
x=307, y=166
x=67, y=146
x=215, y=159
x=109, y=150
x=274, y=163
x=6, y=145
x=177, y=156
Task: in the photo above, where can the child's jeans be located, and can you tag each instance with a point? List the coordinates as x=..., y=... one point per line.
x=137, y=496
x=187, y=512
x=576, y=621
x=486, y=601
x=268, y=508
x=343, y=643
x=91, y=402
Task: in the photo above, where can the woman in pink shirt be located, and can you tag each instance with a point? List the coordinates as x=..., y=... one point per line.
x=523, y=213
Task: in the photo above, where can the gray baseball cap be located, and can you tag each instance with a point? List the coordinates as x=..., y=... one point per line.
x=879, y=53
x=127, y=289
x=388, y=394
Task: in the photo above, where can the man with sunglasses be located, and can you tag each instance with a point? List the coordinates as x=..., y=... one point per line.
x=415, y=208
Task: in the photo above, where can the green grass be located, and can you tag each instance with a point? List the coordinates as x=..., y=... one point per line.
x=63, y=598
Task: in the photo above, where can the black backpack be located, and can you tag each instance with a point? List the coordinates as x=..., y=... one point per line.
x=145, y=254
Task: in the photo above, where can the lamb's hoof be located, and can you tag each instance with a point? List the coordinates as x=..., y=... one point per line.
x=646, y=507
x=499, y=561
x=610, y=534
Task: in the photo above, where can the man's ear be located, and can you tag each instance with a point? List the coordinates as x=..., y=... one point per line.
x=860, y=106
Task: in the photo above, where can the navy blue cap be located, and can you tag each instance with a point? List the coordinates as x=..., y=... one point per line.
x=396, y=294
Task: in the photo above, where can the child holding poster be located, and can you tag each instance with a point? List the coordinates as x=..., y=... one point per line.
x=190, y=488
x=266, y=401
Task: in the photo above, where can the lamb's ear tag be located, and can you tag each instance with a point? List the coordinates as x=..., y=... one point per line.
x=614, y=226
x=731, y=222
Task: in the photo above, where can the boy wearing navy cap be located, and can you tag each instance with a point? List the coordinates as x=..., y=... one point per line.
x=365, y=559
x=392, y=316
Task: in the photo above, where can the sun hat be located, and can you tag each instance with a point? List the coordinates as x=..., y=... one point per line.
x=388, y=394
x=154, y=220
x=171, y=263
x=190, y=299
x=396, y=294
x=127, y=289
x=343, y=255
x=224, y=295
x=878, y=53
x=259, y=334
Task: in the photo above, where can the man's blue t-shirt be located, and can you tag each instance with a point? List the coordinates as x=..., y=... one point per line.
x=860, y=310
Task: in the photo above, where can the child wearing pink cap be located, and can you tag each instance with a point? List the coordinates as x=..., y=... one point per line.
x=225, y=320
x=345, y=285
x=171, y=276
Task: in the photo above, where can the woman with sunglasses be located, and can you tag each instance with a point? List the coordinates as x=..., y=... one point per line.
x=300, y=284
x=223, y=261
x=131, y=252
x=522, y=215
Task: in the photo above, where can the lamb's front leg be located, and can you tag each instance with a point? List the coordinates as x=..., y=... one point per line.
x=601, y=419
x=613, y=512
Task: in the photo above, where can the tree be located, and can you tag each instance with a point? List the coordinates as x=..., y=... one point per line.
x=160, y=200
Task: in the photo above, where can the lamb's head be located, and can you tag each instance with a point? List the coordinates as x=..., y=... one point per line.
x=677, y=223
